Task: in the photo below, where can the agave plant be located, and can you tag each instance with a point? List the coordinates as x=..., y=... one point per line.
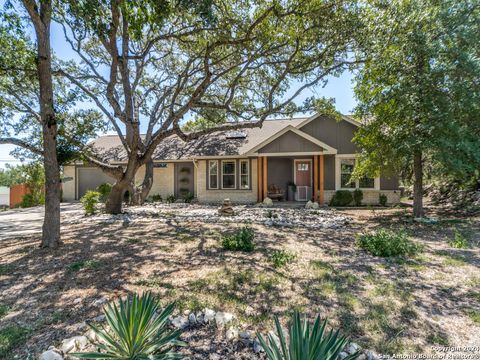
x=306, y=342
x=137, y=329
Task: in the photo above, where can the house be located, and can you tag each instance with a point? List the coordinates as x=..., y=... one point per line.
x=315, y=153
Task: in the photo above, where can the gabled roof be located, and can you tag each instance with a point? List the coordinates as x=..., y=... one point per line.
x=327, y=148
x=217, y=144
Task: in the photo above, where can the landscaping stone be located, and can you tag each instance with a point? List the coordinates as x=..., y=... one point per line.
x=231, y=333
x=226, y=209
x=50, y=355
x=223, y=318
x=99, y=318
x=245, y=334
x=312, y=205
x=74, y=344
x=209, y=315
x=257, y=348
x=371, y=355
x=180, y=322
x=192, y=319
x=352, y=348
x=267, y=201
x=342, y=355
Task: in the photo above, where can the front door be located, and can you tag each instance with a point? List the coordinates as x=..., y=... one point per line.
x=303, y=180
x=184, y=179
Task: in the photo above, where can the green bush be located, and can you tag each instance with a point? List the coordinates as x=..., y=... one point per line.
x=104, y=190
x=382, y=199
x=137, y=329
x=171, y=199
x=305, y=341
x=90, y=201
x=459, y=241
x=155, y=198
x=32, y=199
x=280, y=258
x=387, y=243
x=341, y=198
x=242, y=240
x=357, y=197
x=188, y=197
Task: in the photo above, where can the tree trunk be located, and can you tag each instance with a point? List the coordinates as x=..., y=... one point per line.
x=115, y=198
x=51, y=223
x=418, y=184
x=142, y=191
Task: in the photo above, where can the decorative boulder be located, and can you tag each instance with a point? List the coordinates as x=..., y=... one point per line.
x=312, y=205
x=226, y=209
x=209, y=315
x=180, y=322
x=74, y=343
x=50, y=355
x=267, y=201
x=223, y=318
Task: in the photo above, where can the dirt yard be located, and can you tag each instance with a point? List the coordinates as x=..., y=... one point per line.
x=386, y=305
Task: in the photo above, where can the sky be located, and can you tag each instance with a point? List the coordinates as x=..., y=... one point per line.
x=338, y=88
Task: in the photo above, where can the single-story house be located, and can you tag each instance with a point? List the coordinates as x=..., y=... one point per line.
x=297, y=159
x=4, y=196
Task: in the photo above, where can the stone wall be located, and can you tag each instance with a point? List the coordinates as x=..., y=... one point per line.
x=217, y=196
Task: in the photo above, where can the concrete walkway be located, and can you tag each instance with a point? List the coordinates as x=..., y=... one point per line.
x=22, y=222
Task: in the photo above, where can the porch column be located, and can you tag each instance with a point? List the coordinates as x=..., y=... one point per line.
x=265, y=191
x=321, y=196
x=259, y=179
x=315, y=177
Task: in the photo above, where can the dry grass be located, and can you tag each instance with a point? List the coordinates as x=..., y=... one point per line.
x=389, y=305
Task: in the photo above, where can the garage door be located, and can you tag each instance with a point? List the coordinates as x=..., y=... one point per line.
x=90, y=178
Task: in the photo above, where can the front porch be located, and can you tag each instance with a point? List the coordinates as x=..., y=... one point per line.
x=291, y=180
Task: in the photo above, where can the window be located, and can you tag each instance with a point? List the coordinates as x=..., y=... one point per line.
x=228, y=174
x=346, y=169
x=244, y=174
x=302, y=166
x=213, y=174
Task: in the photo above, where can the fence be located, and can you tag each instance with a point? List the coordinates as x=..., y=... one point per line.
x=17, y=192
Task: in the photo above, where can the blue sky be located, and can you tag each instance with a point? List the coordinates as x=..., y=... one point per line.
x=341, y=89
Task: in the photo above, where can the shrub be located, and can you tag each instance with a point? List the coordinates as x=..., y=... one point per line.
x=188, y=197
x=357, y=197
x=242, y=240
x=306, y=341
x=382, y=199
x=90, y=201
x=459, y=241
x=270, y=214
x=155, y=198
x=137, y=329
x=341, y=198
x=387, y=243
x=32, y=199
x=104, y=190
x=281, y=258
x=171, y=199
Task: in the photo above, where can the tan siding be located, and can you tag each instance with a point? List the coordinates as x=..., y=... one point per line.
x=163, y=180
x=68, y=187
x=216, y=196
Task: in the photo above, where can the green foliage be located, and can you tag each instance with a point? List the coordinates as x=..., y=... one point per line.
x=137, y=329
x=419, y=88
x=382, y=199
x=90, y=201
x=29, y=200
x=3, y=310
x=280, y=258
x=357, y=197
x=341, y=198
x=270, y=214
x=386, y=243
x=155, y=198
x=11, y=336
x=32, y=175
x=306, y=342
x=242, y=240
x=459, y=241
x=83, y=264
x=104, y=190
x=171, y=199
x=188, y=197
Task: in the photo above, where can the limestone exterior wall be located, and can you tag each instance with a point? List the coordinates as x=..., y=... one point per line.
x=370, y=197
x=216, y=196
x=68, y=187
x=163, y=180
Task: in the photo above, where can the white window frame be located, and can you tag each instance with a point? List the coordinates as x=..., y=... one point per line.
x=234, y=175
x=247, y=174
x=210, y=175
x=338, y=159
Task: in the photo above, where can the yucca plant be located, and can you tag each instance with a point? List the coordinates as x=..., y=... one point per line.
x=306, y=342
x=137, y=329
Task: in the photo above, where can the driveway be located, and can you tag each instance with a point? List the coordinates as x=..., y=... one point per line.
x=21, y=222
